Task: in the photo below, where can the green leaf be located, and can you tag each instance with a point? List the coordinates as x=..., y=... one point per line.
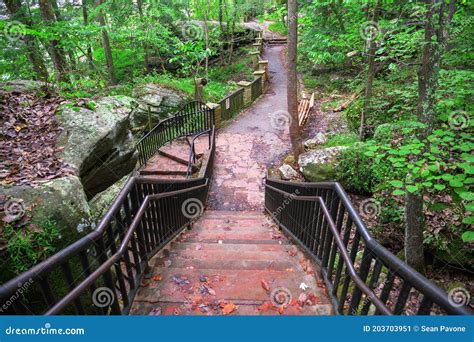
x=397, y=183
x=468, y=236
x=467, y=196
x=412, y=188
x=398, y=192
x=439, y=187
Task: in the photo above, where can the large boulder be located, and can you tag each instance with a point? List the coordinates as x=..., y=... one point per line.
x=318, y=139
x=101, y=202
x=288, y=173
x=155, y=103
x=98, y=142
x=61, y=200
x=318, y=165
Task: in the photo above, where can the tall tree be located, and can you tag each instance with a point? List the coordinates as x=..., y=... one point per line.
x=33, y=52
x=55, y=50
x=438, y=19
x=106, y=44
x=292, y=86
x=370, y=75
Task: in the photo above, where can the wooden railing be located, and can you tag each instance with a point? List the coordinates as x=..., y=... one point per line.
x=232, y=104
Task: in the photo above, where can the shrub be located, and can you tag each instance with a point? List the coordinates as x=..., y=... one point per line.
x=353, y=170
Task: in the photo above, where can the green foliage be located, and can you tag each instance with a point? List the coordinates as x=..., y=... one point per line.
x=358, y=172
x=278, y=27
x=30, y=245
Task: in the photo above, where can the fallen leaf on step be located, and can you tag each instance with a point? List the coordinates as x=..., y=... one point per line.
x=290, y=270
x=302, y=299
x=292, y=252
x=155, y=312
x=157, y=278
x=265, y=285
x=229, y=308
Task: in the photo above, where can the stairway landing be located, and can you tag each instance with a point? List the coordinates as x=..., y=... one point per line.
x=232, y=262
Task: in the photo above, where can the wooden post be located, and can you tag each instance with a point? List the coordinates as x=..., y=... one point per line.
x=247, y=92
x=217, y=113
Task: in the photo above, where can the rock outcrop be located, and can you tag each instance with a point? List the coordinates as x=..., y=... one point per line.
x=61, y=200
x=98, y=142
x=155, y=103
x=318, y=165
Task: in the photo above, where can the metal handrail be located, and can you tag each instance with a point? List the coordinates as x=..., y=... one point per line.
x=84, y=285
x=345, y=256
x=124, y=211
x=373, y=250
x=192, y=152
x=174, y=127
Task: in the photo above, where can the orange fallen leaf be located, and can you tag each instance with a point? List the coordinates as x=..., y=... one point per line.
x=229, y=308
x=265, y=285
x=290, y=270
x=280, y=310
x=157, y=278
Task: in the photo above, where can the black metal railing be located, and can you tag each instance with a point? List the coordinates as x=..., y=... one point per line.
x=361, y=275
x=193, y=118
x=232, y=104
x=257, y=88
x=101, y=272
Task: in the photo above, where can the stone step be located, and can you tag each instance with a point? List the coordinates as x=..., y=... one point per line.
x=242, y=309
x=228, y=236
x=226, y=252
x=238, y=286
x=195, y=246
x=236, y=264
x=194, y=239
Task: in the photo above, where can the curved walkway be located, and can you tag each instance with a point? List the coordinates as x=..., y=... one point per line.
x=251, y=143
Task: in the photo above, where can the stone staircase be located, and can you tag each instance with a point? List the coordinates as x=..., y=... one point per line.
x=171, y=161
x=232, y=262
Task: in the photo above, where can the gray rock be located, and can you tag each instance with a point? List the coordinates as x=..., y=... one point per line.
x=318, y=139
x=287, y=172
x=99, y=143
x=102, y=201
x=318, y=165
x=21, y=86
x=61, y=200
x=155, y=103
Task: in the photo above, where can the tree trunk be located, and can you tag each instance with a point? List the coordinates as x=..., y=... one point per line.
x=146, y=58
x=33, y=52
x=206, y=35
x=434, y=45
x=370, y=78
x=223, y=34
x=292, y=86
x=55, y=51
x=85, y=16
x=106, y=45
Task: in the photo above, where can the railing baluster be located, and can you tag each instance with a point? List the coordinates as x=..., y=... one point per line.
x=402, y=298
x=72, y=284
